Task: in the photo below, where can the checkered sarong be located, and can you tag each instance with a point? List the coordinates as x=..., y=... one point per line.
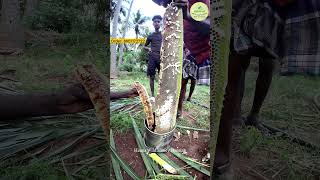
x=190, y=68
x=256, y=25
x=302, y=39
x=203, y=77
x=201, y=72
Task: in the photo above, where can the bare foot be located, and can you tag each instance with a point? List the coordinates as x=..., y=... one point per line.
x=227, y=175
x=238, y=122
x=222, y=169
x=253, y=120
x=179, y=113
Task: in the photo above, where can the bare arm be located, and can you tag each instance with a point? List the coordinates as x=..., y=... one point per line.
x=147, y=44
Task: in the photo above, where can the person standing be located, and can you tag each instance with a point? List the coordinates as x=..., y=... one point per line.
x=155, y=41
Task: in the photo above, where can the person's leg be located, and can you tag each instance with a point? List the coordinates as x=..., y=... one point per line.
x=192, y=86
x=151, y=73
x=223, y=148
x=238, y=120
x=184, y=83
x=151, y=79
x=263, y=83
x=158, y=68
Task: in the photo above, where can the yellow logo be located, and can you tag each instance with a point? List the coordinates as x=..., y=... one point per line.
x=199, y=11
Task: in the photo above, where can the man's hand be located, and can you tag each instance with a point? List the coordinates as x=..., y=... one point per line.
x=148, y=49
x=184, y=4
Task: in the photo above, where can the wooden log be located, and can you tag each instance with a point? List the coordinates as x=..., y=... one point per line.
x=73, y=99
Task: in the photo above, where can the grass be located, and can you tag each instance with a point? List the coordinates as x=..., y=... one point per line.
x=45, y=68
x=288, y=106
x=34, y=170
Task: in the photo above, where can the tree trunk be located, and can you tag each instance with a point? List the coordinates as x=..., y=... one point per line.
x=11, y=29
x=31, y=7
x=219, y=74
x=124, y=33
x=114, y=72
x=171, y=71
x=73, y=99
x=137, y=45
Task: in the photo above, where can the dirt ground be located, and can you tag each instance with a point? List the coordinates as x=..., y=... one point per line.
x=195, y=148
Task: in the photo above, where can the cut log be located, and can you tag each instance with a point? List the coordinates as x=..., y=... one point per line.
x=73, y=99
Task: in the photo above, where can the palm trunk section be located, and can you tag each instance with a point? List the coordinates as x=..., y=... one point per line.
x=170, y=71
x=220, y=41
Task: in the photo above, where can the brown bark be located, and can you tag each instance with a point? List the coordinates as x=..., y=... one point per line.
x=11, y=29
x=73, y=99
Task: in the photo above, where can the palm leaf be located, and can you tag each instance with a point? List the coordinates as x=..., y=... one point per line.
x=189, y=162
x=115, y=164
x=140, y=142
x=72, y=144
x=123, y=164
x=173, y=164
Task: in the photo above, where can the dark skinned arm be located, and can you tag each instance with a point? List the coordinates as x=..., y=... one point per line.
x=146, y=45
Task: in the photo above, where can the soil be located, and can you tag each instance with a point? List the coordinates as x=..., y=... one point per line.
x=195, y=148
x=189, y=117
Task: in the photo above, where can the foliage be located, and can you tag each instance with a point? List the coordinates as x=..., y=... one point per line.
x=113, y=6
x=34, y=170
x=134, y=61
x=138, y=21
x=66, y=16
x=250, y=140
x=44, y=68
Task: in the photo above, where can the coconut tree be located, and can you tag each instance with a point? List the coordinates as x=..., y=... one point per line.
x=123, y=10
x=138, y=21
x=124, y=33
x=114, y=73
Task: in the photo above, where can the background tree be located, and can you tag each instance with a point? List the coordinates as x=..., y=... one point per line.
x=124, y=32
x=11, y=29
x=138, y=21
x=101, y=15
x=114, y=73
x=30, y=7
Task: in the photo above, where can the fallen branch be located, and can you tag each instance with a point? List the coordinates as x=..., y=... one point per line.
x=191, y=128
